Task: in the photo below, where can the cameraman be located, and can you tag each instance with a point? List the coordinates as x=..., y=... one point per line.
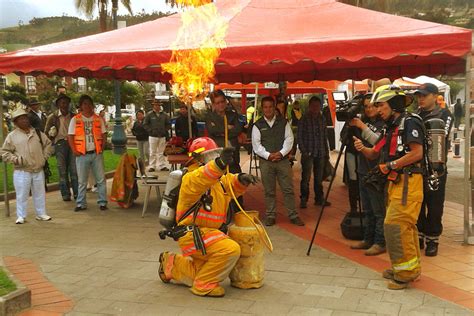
x=373, y=203
x=401, y=152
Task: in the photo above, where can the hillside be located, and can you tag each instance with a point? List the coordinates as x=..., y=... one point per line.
x=40, y=31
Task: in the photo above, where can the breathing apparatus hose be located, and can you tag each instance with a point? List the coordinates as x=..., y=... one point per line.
x=259, y=226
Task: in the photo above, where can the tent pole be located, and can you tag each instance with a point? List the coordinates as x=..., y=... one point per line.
x=4, y=164
x=468, y=155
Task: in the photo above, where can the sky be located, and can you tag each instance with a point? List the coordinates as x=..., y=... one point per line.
x=11, y=11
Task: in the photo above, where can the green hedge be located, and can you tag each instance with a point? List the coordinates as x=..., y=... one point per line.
x=110, y=161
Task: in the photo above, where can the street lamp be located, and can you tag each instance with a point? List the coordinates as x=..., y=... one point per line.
x=119, y=139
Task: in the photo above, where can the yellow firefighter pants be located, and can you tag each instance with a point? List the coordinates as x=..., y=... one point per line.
x=203, y=273
x=400, y=229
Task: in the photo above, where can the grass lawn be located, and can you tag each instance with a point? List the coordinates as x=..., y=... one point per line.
x=110, y=161
x=6, y=285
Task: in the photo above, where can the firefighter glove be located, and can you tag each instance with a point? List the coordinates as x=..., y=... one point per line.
x=384, y=168
x=226, y=157
x=247, y=179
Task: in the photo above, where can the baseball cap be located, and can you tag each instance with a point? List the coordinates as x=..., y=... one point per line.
x=427, y=88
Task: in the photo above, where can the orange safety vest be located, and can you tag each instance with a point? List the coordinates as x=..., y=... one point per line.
x=80, y=135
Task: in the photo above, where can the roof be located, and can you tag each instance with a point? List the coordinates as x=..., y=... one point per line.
x=267, y=40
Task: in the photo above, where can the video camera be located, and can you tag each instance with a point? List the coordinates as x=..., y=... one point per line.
x=347, y=110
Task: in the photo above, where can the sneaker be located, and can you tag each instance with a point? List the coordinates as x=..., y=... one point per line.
x=20, y=220
x=43, y=217
x=318, y=202
x=303, y=204
x=361, y=245
x=80, y=208
x=297, y=221
x=67, y=199
x=431, y=249
x=375, y=250
x=165, y=169
x=103, y=207
x=270, y=221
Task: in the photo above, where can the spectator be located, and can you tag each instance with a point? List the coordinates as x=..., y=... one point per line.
x=57, y=130
x=216, y=128
x=36, y=116
x=295, y=117
x=157, y=124
x=282, y=108
x=458, y=113
x=140, y=133
x=28, y=150
x=272, y=140
x=329, y=127
x=373, y=202
x=60, y=89
x=313, y=144
x=182, y=127
x=86, y=138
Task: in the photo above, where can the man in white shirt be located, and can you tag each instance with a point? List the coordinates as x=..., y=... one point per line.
x=272, y=141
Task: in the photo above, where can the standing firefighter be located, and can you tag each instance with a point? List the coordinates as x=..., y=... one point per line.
x=400, y=151
x=201, y=215
x=436, y=120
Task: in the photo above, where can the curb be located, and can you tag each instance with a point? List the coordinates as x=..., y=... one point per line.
x=16, y=301
x=51, y=187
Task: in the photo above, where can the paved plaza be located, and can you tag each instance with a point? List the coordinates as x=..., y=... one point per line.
x=106, y=263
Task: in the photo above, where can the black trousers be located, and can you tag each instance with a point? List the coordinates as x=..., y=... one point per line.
x=430, y=219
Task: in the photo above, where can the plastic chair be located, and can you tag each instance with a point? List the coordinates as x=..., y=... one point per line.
x=150, y=182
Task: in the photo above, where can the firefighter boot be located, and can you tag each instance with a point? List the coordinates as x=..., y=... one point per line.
x=431, y=246
x=421, y=240
x=218, y=291
x=164, y=256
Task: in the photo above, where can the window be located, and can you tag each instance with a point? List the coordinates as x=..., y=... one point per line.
x=3, y=83
x=30, y=84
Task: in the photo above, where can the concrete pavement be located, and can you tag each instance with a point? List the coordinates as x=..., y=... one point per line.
x=106, y=263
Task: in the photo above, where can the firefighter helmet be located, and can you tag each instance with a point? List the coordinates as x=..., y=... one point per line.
x=390, y=93
x=204, y=149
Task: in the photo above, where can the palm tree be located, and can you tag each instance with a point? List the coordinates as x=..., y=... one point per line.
x=88, y=7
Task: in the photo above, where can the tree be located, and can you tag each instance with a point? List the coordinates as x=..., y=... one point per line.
x=88, y=8
x=15, y=93
x=102, y=92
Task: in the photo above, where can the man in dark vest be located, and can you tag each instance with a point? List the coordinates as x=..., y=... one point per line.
x=272, y=141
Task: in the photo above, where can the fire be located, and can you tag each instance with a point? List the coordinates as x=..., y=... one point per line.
x=196, y=50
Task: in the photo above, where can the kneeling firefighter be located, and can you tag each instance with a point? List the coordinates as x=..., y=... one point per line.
x=208, y=254
x=400, y=152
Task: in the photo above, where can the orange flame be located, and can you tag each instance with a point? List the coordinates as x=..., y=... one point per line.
x=196, y=50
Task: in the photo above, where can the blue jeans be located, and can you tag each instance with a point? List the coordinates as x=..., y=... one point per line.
x=84, y=164
x=316, y=166
x=66, y=169
x=373, y=204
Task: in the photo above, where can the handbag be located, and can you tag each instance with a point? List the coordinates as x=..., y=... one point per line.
x=46, y=169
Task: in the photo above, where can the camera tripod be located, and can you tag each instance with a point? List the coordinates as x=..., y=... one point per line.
x=344, y=142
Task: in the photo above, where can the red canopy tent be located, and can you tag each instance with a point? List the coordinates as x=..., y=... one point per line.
x=267, y=40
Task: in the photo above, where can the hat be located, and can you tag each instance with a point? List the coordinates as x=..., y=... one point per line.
x=18, y=113
x=33, y=101
x=427, y=88
x=62, y=96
